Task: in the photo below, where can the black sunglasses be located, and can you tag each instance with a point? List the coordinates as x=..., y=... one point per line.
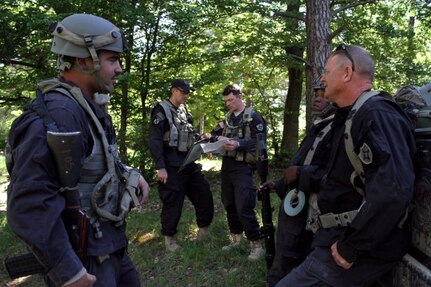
x=343, y=47
x=182, y=91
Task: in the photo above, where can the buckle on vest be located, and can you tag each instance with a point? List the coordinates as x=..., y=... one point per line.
x=329, y=220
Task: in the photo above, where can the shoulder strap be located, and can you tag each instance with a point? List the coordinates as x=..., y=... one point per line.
x=317, y=140
x=50, y=84
x=246, y=117
x=76, y=94
x=227, y=123
x=227, y=117
x=353, y=157
x=39, y=106
x=167, y=109
x=173, y=130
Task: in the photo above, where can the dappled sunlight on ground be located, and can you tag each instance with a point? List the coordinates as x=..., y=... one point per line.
x=210, y=164
x=145, y=238
x=3, y=187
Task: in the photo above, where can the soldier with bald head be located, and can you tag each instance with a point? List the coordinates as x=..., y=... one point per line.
x=363, y=198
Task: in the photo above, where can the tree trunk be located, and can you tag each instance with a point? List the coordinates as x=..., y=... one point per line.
x=289, y=142
x=319, y=47
x=146, y=74
x=411, y=49
x=124, y=104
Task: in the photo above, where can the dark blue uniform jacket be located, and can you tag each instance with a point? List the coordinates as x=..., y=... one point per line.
x=163, y=154
x=381, y=126
x=34, y=202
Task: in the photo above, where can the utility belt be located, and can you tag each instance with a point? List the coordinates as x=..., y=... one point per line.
x=184, y=140
x=102, y=258
x=248, y=157
x=315, y=221
x=329, y=220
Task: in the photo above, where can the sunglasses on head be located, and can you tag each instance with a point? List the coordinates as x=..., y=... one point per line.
x=343, y=47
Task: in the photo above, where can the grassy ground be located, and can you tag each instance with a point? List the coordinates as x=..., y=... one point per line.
x=196, y=264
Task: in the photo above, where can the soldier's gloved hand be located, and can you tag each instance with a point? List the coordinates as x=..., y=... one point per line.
x=87, y=280
x=270, y=184
x=222, y=138
x=206, y=136
x=162, y=175
x=290, y=174
x=143, y=190
x=230, y=145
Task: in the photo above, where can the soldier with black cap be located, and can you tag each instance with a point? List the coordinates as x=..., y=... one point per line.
x=91, y=183
x=171, y=136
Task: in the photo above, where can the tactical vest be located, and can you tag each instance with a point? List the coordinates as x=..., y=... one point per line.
x=106, y=187
x=241, y=131
x=181, y=132
x=329, y=220
x=358, y=168
x=295, y=199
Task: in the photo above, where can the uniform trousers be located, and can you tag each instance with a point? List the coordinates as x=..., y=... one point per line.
x=238, y=195
x=319, y=269
x=293, y=243
x=116, y=271
x=189, y=182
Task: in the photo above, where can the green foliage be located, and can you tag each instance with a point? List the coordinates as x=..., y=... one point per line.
x=7, y=115
x=4, y=175
x=211, y=43
x=402, y=56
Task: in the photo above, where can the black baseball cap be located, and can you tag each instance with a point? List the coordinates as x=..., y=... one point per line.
x=183, y=85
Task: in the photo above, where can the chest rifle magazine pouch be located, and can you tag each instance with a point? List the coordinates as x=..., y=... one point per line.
x=66, y=149
x=183, y=140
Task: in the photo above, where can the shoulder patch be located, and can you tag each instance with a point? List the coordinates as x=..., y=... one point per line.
x=158, y=118
x=260, y=127
x=365, y=154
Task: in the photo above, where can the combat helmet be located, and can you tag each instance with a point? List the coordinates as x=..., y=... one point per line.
x=82, y=35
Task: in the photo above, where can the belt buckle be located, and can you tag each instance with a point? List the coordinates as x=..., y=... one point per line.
x=102, y=258
x=313, y=223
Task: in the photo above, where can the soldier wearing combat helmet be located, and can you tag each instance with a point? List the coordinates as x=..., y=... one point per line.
x=95, y=185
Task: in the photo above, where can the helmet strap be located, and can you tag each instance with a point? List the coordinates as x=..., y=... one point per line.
x=90, y=46
x=62, y=64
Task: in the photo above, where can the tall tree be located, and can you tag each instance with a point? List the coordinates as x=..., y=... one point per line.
x=295, y=49
x=318, y=46
x=215, y=42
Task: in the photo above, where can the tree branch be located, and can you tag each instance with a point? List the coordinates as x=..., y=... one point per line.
x=8, y=100
x=363, y=2
x=334, y=34
x=8, y=62
x=286, y=15
x=300, y=59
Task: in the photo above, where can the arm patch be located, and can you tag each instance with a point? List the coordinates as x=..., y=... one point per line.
x=158, y=118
